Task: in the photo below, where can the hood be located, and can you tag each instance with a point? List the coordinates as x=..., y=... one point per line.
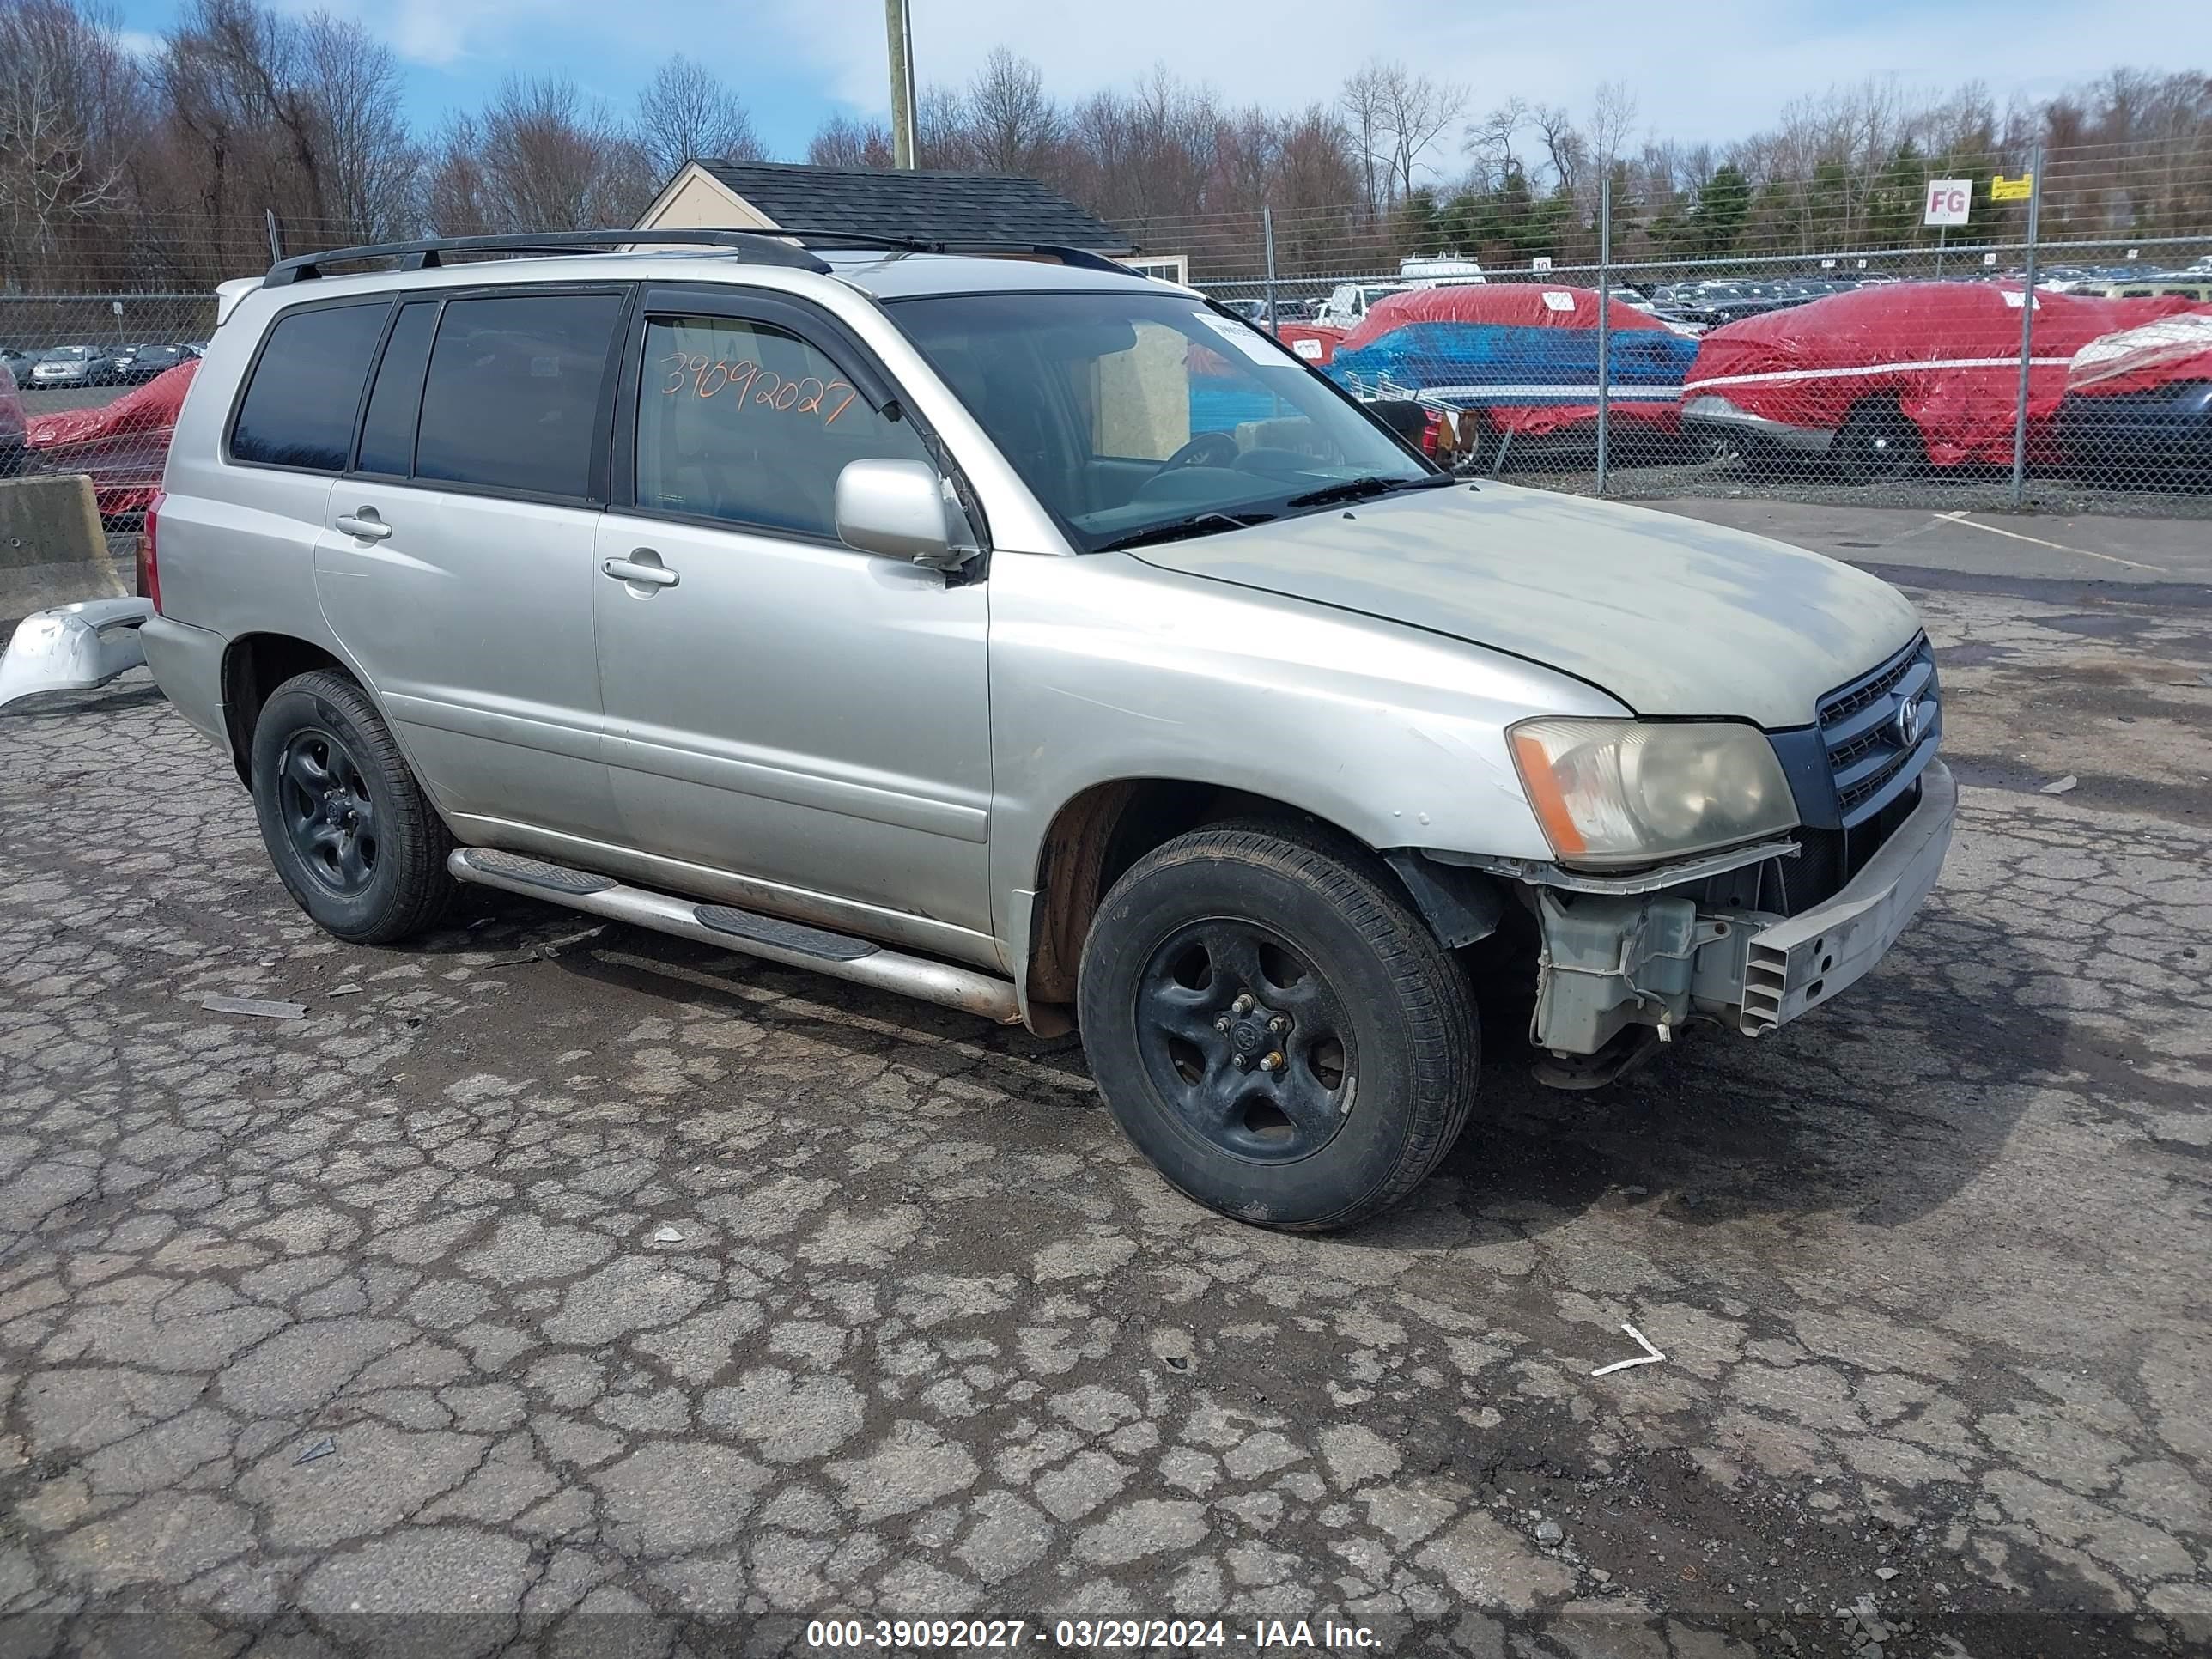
x=1670, y=615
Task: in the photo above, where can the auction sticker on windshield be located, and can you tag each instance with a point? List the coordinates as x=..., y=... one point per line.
x=1244, y=338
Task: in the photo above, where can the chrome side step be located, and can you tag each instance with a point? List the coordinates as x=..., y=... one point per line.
x=793, y=944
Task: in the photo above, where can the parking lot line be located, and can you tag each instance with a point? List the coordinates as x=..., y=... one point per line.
x=1960, y=518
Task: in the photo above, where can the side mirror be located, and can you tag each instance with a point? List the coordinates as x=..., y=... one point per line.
x=900, y=509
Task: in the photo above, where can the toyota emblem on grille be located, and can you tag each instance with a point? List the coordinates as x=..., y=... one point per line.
x=1908, y=723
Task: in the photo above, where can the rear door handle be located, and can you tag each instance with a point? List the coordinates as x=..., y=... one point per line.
x=641, y=573
x=365, y=525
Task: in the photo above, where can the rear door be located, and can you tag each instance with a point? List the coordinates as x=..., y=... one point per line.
x=455, y=562
x=778, y=705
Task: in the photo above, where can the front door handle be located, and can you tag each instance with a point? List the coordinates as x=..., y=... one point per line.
x=365, y=525
x=642, y=569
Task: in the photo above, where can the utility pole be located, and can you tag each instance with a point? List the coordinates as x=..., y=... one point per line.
x=902, y=53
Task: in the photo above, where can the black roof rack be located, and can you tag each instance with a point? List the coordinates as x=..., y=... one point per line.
x=765, y=248
x=1080, y=258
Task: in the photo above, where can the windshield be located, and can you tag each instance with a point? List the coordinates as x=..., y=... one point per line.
x=1136, y=415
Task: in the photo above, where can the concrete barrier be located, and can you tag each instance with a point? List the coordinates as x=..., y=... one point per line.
x=52, y=550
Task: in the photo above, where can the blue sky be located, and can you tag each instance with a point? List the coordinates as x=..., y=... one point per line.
x=1712, y=71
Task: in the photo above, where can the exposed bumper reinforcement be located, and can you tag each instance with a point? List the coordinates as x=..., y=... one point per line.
x=1808, y=958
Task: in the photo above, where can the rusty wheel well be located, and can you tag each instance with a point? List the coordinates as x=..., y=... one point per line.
x=1093, y=841
x=252, y=667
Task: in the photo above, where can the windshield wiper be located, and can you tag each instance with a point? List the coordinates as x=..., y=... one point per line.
x=1359, y=490
x=1198, y=524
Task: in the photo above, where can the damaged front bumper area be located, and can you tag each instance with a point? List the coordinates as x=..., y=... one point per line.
x=1622, y=953
x=72, y=647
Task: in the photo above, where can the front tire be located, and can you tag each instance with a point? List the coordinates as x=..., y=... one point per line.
x=1274, y=1028
x=354, y=839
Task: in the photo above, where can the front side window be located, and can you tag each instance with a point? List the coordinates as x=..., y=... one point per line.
x=1134, y=415
x=512, y=394
x=299, y=407
x=748, y=423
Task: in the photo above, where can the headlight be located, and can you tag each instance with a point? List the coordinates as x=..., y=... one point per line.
x=1628, y=792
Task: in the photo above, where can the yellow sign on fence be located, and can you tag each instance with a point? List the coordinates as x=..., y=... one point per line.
x=2003, y=189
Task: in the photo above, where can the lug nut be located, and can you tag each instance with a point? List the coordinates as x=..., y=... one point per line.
x=1221, y=1025
x=1243, y=1003
x=1272, y=1062
x=1279, y=1025
x=1243, y=1062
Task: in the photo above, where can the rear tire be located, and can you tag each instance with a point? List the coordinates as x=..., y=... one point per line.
x=353, y=837
x=1274, y=1028
x=1878, y=445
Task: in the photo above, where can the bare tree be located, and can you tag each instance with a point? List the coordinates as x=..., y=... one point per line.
x=1563, y=146
x=687, y=112
x=62, y=79
x=842, y=142
x=539, y=156
x=942, y=133
x=1612, y=115
x=1364, y=100
x=371, y=162
x=1013, y=122
x=1416, y=111
x=1489, y=140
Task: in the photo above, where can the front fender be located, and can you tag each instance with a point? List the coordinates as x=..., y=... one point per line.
x=1105, y=668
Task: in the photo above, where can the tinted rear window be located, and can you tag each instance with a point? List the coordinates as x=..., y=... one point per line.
x=299, y=407
x=513, y=394
x=387, y=433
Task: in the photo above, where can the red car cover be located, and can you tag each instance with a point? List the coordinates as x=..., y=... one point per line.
x=1947, y=353
x=122, y=445
x=2143, y=359
x=1477, y=312
x=1315, y=342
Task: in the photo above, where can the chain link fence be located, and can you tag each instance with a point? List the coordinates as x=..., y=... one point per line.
x=1912, y=374
x=1872, y=359
x=92, y=385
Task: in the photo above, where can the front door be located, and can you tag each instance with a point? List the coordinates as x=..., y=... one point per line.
x=778, y=705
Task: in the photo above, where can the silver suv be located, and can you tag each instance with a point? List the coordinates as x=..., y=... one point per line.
x=1028, y=636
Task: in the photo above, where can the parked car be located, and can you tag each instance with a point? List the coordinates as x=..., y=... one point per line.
x=145, y=362
x=1348, y=303
x=1251, y=311
x=121, y=445
x=2138, y=404
x=2198, y=289
x=905, y=632
x=74, y=365
x=11, y=424
x=1888, y=379
x=1521, y=361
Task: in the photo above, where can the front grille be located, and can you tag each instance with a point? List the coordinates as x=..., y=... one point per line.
x=1875, y=747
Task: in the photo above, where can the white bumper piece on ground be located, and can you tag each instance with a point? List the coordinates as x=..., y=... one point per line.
x=1818, y=952
x=72, y=647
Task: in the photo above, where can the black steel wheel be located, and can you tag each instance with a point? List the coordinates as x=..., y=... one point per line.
x=1274, y=1027
x=1879, y=444
x=1246, y=1041
x=354, y=840
x=328, y=811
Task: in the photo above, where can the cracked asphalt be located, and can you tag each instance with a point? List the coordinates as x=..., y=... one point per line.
x=576, y=1291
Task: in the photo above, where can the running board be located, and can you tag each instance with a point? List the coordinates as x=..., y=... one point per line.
x=793, y=944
